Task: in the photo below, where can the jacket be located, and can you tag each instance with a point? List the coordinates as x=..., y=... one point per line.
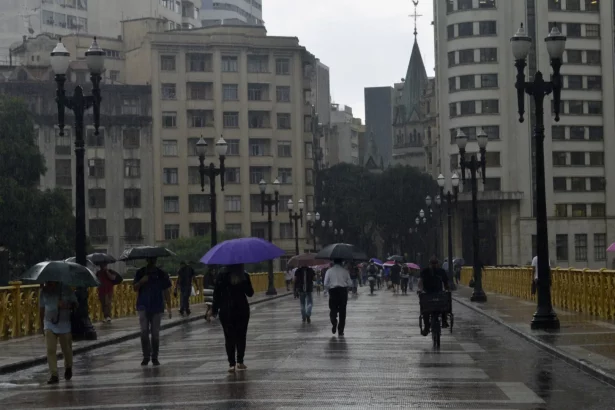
x=304, y=275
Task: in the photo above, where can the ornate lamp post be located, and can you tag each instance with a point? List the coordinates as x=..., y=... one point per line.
x=79, y=103
x=545, y=317
x=312, y=226
x=450, y=198
x=211, y=172
x=296, y=217
x=421, y=221
x=270, y=202
x=324, y=225
x=437, y=223
x=474, y=165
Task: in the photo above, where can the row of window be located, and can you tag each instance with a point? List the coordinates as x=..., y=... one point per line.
x=257, y=230
x=471, y=28
x=230, y=119
x=473, y=55
x=575, y=5
x=73, y=4
x=98, y=230
x=580, y=247
x=201, y=203
x=579, y=184
x=203, y=62
x=583, y=82
x=131, y=139
x=578, y=107
x=492, y=159
x=492, y=131
x=577, y=30
x=230, y=92
x=257, y=147
x=66, y=21
x=472, y=82
x=96, y=169
x=578, y=158
x=597, y=210
x=472, y=107
x=170, y=176
x=461, y=5
x=585, y=57
x=577, y=133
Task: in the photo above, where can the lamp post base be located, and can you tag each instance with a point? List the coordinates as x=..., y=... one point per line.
x=545, y=320
x=478, y=296
x=271, y=291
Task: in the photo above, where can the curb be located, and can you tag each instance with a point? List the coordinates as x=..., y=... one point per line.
x=580, y=364
x=24, y=364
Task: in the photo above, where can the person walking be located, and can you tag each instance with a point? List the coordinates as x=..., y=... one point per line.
x=304, y=286
x=55, y=304
x=185, y=281
x=337, y=282
x=433, y=280
x=405, y=279
x=153, y=287
x=233, y=288
x=105, y=291
x=288, y=276
x=396, y=276
x=372, y=272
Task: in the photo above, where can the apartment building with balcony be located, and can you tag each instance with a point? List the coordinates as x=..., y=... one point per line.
x=228, y=11
x=343, y=143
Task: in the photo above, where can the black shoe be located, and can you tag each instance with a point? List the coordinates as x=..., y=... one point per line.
x=425, y=332
x=53, y=380
x=334, y=329
x=155, y=362
x=181, y=313
x=303, y=319
x=145, y=362
x=188, y=312
x=68, y=373
x=444, y=325
x=309, y=320
x=341, y=333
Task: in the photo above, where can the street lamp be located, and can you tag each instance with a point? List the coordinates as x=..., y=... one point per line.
x=296, y=217
x=211, y=172
x=545, y=317
x=270, y=202
x=450, y=198
x=474, y=165
x=312, y=221
x=79, y=103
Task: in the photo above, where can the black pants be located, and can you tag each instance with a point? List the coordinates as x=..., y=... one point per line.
x=404, y=284
x=235, y=331
x=338, y=299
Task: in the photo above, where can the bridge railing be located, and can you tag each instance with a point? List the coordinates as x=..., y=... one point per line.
x=578, y=290
x=19, y=303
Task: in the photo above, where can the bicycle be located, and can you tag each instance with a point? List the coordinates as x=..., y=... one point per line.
x=435, y=305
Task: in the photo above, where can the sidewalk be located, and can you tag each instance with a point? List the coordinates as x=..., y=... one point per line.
x=583, y=341
x=24, y=352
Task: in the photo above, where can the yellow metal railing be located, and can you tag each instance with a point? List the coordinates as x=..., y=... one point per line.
x=19, y=310
x=579, y=290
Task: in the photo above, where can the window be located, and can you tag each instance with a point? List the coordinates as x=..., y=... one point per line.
x=594, y=82
x=597, y=184
x=572, y=30
x=493, y=184
x=592, y=30
x=282, y=66
x=465, y=29
x=199, y=203
x=451, y=58
x=230, y=120
x=97, y=198
x=232, y=176
x=286, y=230
x=285, y=175
x=487, y=28
x=577, y=184
x=558, y=132
x=171, y=232
x=592, y=5
x=200, y=118
x=492, y=131
x=596, y=159
x=580, y=247
x=309, y=150
x=131, y=138
x=282, y=94
x=559, y=159
x=450, y=31
x=449, y=6
x=555, y=5
x=167, y=63
x=199, y=229
x=493, y=159
x=169, y=119
x=230, y=92
x=194, y=176
x=232, y=203
x=470, y=132
x=130, y=106
x=169, y=176
x=200, y=91
x=598, y=210
x=452, y=109
x=577, y=133
x=594, y=57
x=259, y=119
x=594, y=107
x=464, y=4
x=229, y=64
x=198, y=62
x=96, y=168
x=452, y=84
x=561, y=210
x=283, y=121
x=284, y=149
x=169, y=148
x=132, y=168
x=258, y=64
x=309, y=176
x=488, y=80
x=258, y=92
x=466, y=82
x=468, y=107
x=574, y=56
x=579, y=210
x=559, y=184
x=600, y=246
x=94, y=141
x=255, y=203
x=233, y=229
x=258, y=173
x=466, y=56
x=575, y=82
x=488, y=55
x=132, y=198
x=63, y=143
x=577, y=158
x=596, y=133
x=98, y=230
x=573, y=5
x=259, y=147
x=168, y=91
x=486, y=4
x=561, y=247
x=171, y=204
x=575, y=107
x=233, y=148
x=258, y=229
x=490, y=106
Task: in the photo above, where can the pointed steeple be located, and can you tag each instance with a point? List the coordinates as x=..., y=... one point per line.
x=415, y=82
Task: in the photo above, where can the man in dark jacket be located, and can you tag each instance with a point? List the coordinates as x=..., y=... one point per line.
x=304, y=285
x=433, y=280
x=185, y=280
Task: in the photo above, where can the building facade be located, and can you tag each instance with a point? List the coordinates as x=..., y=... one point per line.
x=379, y=103
x=216, y=12
x=476, y=75
x=344, y=139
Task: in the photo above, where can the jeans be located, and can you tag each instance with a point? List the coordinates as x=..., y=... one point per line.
x=150, y=323
x=305, y=298
x=338, y=299
x=51, y=342
x=184, y=300
x=404, y=285
x=235, y=333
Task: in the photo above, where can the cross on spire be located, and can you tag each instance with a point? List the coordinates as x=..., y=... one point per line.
x=415, y=15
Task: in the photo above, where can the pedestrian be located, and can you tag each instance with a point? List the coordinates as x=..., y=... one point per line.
x=433, y=280
x=396, y=276
x=337, y=282
x=304, y=286
x=105, y=291
x=372, y=273
x=185, y=282
x=55, y=304
x=380, y=277
x=405, y=279
x=354, y=276
x=457, y=265
x=153, y=287
x=233, y=287
x=290, y=272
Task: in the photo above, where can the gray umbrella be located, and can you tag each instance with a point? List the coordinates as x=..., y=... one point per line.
x=101, y=258
x=70, y=274
x=89, y=264
x=145, y=252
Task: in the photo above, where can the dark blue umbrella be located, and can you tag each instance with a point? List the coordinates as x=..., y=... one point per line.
x=376, y=261
x=242, y=250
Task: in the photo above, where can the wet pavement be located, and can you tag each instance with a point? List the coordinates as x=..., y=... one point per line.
x=382, y=362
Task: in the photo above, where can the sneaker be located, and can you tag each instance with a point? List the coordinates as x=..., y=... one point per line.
x=68, y=373
x=145, y=362
x=242, y=367
x=53, y=380
x=341, y=333
x=155, y=362
x=334, y=329
x=309, y=320
x=108, y=320
x=231, y=369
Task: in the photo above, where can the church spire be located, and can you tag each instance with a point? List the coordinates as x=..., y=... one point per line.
x=415, y=15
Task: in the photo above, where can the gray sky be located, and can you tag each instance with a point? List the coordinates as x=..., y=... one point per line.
x=365, y=43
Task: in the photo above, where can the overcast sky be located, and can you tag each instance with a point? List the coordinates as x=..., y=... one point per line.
x=365, y=43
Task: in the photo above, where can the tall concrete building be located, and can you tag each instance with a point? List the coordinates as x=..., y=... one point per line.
x=344, y=140
x=476, y=74
x=218, y=11
x=379, y=103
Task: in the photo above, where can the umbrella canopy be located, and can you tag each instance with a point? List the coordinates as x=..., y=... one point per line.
x=341, y=251
x=376, y=261
x=145, y=252
x=459, y=261
x=70, y=274
x=397, y=258
x=305, y=259
x=101, y=258
x=242, y=250
x=389, y=263
x=89, y=264
x=413, y=266
x=611, y=248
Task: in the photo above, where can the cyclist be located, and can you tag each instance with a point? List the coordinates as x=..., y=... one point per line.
x=433, y=279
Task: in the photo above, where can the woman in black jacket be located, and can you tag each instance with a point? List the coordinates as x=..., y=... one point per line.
x=231, y=304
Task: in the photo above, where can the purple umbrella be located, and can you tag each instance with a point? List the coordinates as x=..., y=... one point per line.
x=242, y=250
x=611, y=248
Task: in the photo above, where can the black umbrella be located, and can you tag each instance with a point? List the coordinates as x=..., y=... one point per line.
x=344, y=251
x=145, y=252
x=70, y=274
x=101, y=258
x=396, y=258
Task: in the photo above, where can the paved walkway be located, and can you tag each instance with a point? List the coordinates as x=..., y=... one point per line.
x=24, y=352
x=381, y=362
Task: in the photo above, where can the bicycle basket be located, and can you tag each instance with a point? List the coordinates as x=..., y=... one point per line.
x=435, y=302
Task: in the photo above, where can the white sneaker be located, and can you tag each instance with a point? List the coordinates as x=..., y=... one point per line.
x=108, y=320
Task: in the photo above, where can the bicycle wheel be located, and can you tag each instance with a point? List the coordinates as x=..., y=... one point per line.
x=435, y=329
